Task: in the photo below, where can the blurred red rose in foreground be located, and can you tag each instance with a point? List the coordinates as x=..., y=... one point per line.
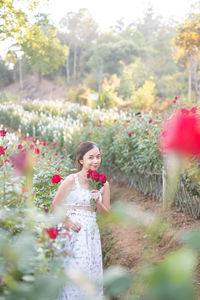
x=181, y=133
x=52, y=232
x=19, y=162
x=3, y=132
x=37, y=151
x=2, y=150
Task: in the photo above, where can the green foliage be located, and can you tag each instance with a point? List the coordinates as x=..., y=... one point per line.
x=134, y=52
x=105, y=100
x=171, y=85
x=144, y=97
x=13, y=20
x=172, y=279
x=117, y=280
x=5, y=75
x=44, y=189
x=42, y=49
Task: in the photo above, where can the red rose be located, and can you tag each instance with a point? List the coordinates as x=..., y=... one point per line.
x=19, y=146
x=56, y=178
x=127, y=121
x=89, y=133
x=2, y=150
x=181, y=133
x=95, y=175
x=25, y=137
x=55, y=143
x=3, y=132
x=44, y=143
x=89, y=173
x=193, y=110
x=52, y=232
x=99, y=125
x=31, y=146
x=64, y=148
x=150, y=121
x=176, y=97
x=34, y=141
x=84, y=125
x=174, y=101
x=37, y=151
x=130, y=134
x=102, y=178
x=185, y=111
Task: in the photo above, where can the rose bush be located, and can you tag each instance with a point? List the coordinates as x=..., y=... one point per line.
x=129, y=144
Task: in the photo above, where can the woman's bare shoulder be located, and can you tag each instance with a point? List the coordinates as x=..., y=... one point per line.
x=68, y=181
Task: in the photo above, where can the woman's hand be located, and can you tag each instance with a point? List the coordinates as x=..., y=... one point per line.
x=95, y=195
x=75, y=226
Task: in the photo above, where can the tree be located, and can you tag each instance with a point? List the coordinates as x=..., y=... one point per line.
x=187, y=44
x=13, y=21
x=5, y=74
x=78, y=31
x=41, y=48
x=150, y=26
x=109, y=55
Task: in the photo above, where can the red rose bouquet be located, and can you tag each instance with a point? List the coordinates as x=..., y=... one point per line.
x=96, y=182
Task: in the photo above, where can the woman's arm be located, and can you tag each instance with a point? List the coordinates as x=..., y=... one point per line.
x=104, y=206
x=63, y=189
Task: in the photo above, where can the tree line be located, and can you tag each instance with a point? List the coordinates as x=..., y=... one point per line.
x=143, y=63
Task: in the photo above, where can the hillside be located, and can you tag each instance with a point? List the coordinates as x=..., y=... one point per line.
x=47, y=89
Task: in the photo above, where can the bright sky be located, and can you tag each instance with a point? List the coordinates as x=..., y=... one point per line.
x=107, y=12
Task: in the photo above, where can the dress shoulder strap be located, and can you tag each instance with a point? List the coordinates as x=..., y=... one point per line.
x=77, y=184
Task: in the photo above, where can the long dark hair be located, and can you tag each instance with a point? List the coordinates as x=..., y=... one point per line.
x=82, y=149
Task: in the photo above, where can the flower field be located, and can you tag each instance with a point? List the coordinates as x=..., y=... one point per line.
x=36, y=158
x=129, y=144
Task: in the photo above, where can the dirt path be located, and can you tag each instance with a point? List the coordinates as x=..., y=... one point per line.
x=125, y=245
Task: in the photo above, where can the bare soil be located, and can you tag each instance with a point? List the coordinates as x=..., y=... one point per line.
x=33, y=89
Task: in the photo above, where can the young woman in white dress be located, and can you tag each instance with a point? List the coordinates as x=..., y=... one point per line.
x=83, y=238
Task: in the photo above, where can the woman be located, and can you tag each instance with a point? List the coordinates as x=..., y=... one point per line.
x=82, y=230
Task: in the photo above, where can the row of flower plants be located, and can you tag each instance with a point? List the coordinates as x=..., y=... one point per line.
x=32, y=250
x=129, y=143
x=27, y=234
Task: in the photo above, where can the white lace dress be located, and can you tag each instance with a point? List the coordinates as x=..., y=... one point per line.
x=84, y=245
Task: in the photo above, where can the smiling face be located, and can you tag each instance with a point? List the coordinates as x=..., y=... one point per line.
x=91, y=159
